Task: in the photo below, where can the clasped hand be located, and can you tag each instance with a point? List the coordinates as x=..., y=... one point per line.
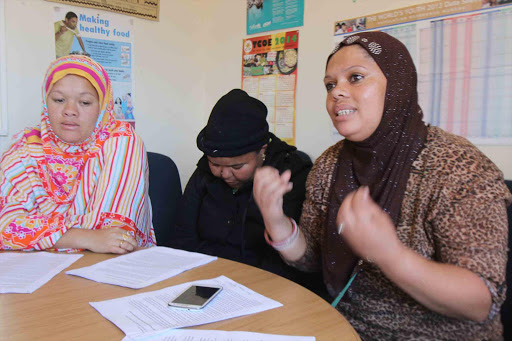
x=368, y=230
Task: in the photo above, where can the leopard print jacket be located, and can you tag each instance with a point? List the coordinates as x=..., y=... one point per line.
x=453, y=211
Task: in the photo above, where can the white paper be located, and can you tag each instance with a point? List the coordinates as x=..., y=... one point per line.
x=24, y=273
x=217, y=335
x=142, y=268
x=144, y=314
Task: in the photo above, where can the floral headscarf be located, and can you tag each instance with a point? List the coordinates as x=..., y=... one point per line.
x=61, y=168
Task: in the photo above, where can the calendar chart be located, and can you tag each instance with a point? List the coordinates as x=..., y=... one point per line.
x=465, y=75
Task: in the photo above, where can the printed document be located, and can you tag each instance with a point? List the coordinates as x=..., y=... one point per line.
x=217, y=335
x=142, y=268
x=24, y=273
x=144, y=314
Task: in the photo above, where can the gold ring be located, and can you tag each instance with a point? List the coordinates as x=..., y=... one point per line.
x=121, y=243
x=125, y=236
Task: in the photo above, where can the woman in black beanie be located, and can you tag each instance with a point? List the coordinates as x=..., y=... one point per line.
x=217, y=214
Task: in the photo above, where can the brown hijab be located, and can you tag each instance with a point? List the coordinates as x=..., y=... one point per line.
x=383, y=161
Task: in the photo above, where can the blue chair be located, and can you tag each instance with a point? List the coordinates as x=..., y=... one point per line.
x=164, y=192
x=506, y=309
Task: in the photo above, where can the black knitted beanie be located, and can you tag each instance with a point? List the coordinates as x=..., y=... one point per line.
x=237, y=125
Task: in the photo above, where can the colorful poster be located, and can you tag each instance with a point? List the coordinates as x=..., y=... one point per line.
x=269, y=73
x=270, y=15
x=413, y=13
x=463, y=63
x=106, y=38
x=137, y=8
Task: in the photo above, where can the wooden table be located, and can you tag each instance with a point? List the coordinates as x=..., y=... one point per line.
x=60, y=309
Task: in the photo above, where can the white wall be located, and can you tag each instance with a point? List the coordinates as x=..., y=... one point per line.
x=184, y=63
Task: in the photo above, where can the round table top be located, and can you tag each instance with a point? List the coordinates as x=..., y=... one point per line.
x=60, y=308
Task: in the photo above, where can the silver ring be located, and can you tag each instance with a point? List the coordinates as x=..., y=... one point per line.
x=340, y=228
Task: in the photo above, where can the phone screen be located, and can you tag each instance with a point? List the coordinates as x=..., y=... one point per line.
x=195, y=297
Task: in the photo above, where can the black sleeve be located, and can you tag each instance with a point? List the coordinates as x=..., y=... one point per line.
x=292, y=201
x=186, y=235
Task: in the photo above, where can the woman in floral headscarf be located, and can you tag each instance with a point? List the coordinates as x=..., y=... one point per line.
x=407, y=222
x=79, y=180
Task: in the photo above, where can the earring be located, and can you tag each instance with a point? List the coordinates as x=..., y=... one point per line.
x=263, y=157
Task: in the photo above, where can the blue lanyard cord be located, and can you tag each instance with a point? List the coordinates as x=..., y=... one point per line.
x=343, y=291
x=345, y=288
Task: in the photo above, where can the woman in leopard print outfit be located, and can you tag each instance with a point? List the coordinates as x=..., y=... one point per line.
x=417, y=213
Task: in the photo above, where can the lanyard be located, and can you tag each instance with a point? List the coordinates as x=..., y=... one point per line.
x=357, y=269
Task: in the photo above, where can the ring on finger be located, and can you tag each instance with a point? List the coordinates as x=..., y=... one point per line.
x=125, y=237
x=340, y=228
x=121, y=243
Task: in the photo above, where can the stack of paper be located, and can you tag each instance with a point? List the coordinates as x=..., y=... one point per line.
x=145, y=314
x=142, y=268
x=23, y=272
x=217, y=335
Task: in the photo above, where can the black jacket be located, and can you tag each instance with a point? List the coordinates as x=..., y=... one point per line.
x=215, y=220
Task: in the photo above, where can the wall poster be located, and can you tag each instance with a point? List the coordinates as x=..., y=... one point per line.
x=106, y=38
x=270, y=15
x=147, y=9
x=269, y=73
x=463, y=54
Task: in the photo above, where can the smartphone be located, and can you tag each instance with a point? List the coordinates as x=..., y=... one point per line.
x=195, y=297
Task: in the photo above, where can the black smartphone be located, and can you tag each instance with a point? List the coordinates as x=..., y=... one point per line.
x=195, y=297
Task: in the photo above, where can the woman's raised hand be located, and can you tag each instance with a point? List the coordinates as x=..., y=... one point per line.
x=368, y=230
x=269, y=188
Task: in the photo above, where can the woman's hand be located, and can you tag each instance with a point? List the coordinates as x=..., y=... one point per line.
x=108, y=240
x=269, y=188
x=444, y=288
x=368, y=230
x=111, y=240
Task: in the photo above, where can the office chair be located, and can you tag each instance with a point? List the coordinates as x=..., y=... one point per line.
x=303, y=155
x=164, y=192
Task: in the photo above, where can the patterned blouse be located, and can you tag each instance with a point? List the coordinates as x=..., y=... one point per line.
x=112, y=192
x=454, y=211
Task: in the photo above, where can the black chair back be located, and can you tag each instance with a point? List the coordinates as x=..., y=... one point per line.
x=506, y=309
x=303, y=155
x=164, y=192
